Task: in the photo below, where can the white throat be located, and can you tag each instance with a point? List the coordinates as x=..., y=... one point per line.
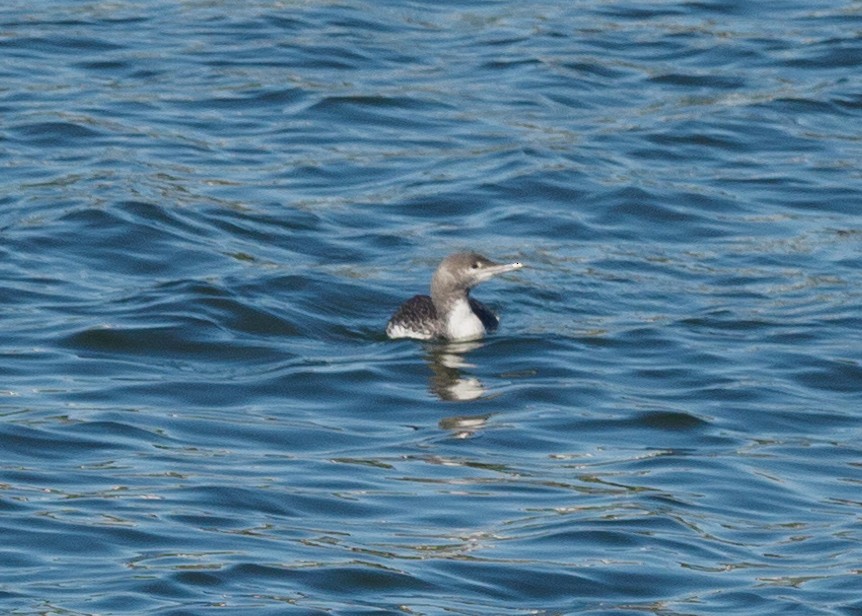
x=462, y=323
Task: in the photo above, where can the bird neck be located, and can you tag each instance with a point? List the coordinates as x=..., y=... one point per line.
x=445, y=297
x=458, y=319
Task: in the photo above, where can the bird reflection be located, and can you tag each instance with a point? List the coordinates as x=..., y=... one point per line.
x=447, y=363
x=450, y=382
x=464, y=426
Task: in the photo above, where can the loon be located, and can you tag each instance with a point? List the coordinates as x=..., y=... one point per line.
x=450, y=313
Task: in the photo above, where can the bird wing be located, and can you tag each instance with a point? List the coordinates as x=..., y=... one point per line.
x=488, y=318
x=417, y=316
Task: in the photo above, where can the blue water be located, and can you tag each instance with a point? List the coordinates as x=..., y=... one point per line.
x=210, y=209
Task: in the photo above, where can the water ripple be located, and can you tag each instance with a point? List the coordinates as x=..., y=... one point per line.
x=209, y=214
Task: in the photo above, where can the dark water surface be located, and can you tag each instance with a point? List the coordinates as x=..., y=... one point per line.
x=210, y=209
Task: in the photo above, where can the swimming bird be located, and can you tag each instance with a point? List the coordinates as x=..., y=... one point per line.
x=450, y=313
